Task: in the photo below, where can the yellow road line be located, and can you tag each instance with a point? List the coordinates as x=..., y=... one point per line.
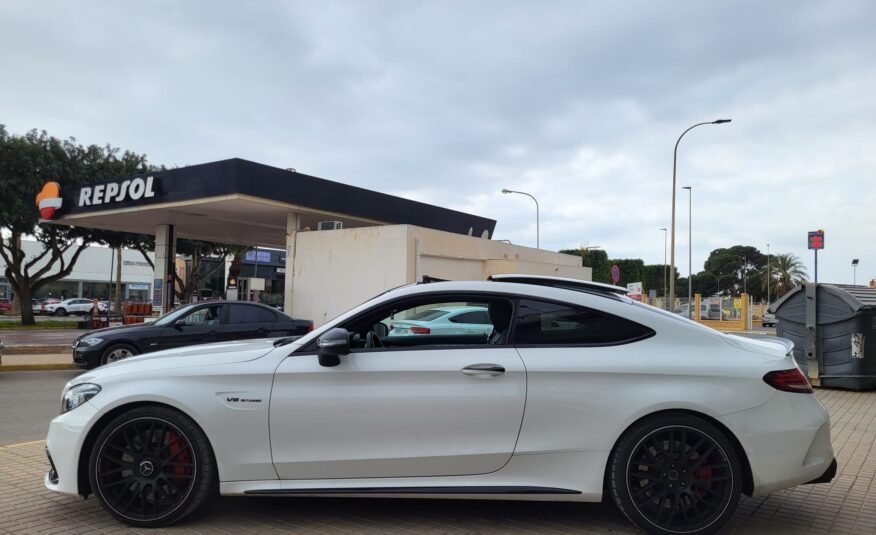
x=24, y=444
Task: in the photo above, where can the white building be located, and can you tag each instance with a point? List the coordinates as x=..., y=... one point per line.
x=92, y=274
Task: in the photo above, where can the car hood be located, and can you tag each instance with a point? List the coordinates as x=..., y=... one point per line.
x=118, y=330
x=168, y=360
x=771, y=346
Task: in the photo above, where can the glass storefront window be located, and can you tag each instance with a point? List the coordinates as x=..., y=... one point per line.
x=100, y=290
x=59, y=290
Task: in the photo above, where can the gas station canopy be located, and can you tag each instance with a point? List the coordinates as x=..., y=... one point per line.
x=243, y=202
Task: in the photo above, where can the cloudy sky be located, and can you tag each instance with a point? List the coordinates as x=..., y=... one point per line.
x=578, y=103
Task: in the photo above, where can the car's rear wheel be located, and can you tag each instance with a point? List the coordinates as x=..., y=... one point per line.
x=60, y=312
x=676, y=473
x=117, y=352
x=152, y=466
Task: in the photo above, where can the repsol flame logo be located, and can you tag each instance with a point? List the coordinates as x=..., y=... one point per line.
x=133, y=189
x=48, y=200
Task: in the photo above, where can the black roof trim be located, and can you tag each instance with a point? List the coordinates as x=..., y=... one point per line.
x=596, y=288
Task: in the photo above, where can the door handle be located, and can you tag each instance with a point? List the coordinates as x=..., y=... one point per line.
x=484, y=370
x=261, y=330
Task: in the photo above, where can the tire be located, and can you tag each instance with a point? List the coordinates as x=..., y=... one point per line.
x=60, y=312
x=675, y=473
x=117, y=352
x=152, y=467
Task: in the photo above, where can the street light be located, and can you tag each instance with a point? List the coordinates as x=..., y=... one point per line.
x=689, y=248
x=672, y=247
x=769, y=275
x=665, y=302
x=507, y=191
x=855, y=271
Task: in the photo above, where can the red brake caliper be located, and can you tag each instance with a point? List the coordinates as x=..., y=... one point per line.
x=175, y=455
x=704, y=475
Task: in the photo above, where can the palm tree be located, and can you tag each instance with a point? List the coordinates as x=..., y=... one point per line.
x=785, y=271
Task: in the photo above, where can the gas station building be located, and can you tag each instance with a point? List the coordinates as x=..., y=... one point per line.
x=343, y=244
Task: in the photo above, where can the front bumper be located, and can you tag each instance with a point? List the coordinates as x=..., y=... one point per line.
x=63, y=446
x=87, y=356
x=786, y=440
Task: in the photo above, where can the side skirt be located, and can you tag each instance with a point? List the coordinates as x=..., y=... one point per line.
x=414, y=490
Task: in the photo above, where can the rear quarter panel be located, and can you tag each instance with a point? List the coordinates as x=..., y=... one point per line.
x=582, y=399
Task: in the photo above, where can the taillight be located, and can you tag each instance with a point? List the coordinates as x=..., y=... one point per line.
x=420, y=330
x=788, y=381
x=311, y=327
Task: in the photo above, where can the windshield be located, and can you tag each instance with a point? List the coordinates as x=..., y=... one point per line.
x=174, y=315
x=427, y=315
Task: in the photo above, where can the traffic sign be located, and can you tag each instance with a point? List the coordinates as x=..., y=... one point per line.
x=816, y=239
x=615, y=274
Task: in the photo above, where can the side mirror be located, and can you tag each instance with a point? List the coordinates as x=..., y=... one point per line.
x=334, y=343
x=179, y=323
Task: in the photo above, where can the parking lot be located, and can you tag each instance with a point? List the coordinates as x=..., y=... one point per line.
x=846, y=505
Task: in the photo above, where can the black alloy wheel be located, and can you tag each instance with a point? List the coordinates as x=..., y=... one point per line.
x=151, y=467
x=676, y=474
x=61, y=312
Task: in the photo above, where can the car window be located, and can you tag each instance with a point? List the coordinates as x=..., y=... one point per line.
x=209, y=315
x=476, y=316
x=238, y=314
x=543, y=323
x=406, y=323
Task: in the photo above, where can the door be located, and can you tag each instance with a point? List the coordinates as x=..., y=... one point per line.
x=245, y=321
x=418, y=408
x=202, y=325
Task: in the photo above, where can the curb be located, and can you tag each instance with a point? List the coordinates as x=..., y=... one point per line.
x=37, y=367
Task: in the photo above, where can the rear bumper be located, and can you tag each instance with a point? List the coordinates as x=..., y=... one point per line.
x=786, y=440
x=827, y=476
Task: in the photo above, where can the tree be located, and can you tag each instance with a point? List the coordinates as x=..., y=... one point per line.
x=596, y=259
x=737, y=267
x=199, y=270
x=123, y=240
x=26, y=163
x=786, y=272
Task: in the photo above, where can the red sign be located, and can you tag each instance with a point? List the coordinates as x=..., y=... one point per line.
x=816, y=239
x=615, y=274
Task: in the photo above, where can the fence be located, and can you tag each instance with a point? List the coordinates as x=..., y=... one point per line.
x=724, y=313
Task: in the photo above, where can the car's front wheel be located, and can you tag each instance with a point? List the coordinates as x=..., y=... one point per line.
x=152, y=466
x=61, y=312
x=117, y=352
x=675, y=473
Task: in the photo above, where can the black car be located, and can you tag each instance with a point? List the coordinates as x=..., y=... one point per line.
x=197, y=323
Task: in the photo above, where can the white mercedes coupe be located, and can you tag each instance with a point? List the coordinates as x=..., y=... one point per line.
x=576, y=394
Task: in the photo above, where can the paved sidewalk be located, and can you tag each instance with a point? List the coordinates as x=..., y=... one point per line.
x=50, y=361
x=845, y=506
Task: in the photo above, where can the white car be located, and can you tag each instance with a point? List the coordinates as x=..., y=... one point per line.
x=75, y=306
x=443, y=320
x=578, y=392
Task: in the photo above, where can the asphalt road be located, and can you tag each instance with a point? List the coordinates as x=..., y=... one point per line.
x=28, y=402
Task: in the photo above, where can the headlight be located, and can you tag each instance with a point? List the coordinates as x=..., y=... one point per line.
x=77, y=395
x=88, y=342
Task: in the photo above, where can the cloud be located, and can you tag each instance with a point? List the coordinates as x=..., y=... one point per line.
x=578, y=103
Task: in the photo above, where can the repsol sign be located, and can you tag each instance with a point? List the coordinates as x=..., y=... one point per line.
x=128, y=190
